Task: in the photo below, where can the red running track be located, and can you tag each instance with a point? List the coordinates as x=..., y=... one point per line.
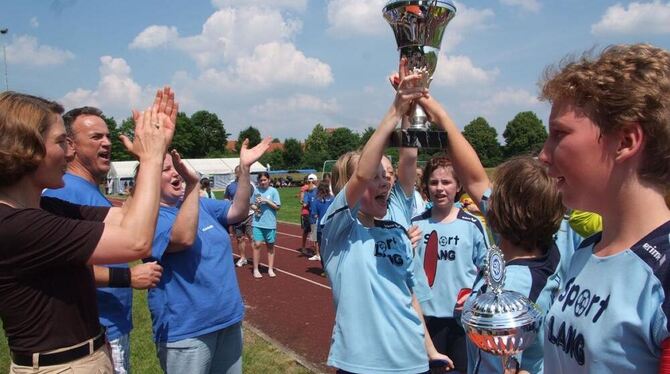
x=295, y=308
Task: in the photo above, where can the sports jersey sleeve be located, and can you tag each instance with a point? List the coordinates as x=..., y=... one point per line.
x=66, y=209
x=37, y=240
x=337, y=223
x=162, y=234
x=400, y=207
x=217, y=209
x=275, y=197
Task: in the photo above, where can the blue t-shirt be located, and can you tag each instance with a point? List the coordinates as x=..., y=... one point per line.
x=231, y=190
x=370, y=269
x=319, y=207
x=307, y=198
x=400, y=207
x=268, y=216
x=114, y=304
x=198, y=293
x=452, y=255
x=533, y=278
x=612, y=314
x=567, y=240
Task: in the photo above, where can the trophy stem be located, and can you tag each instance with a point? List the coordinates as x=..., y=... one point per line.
x=418, y=119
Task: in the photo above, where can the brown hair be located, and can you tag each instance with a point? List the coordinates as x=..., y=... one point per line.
x=72, y=114
x=625, y=84
x=343, y=170
x=525, y=205
x=436, y=163
x=323, y=190
x=24, y=120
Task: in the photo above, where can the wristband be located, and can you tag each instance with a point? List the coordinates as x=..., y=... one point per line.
x=119, y=277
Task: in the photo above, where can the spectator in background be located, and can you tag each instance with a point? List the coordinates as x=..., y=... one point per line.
x=88, y=136
x=318, y=207
x=206, y=189
x=265, y=203
x=309, y=185
x=243, y=229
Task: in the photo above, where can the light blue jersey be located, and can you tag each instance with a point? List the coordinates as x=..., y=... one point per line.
x=452, y=254
x=370, y=269
x=400, y=207
x=534, y=279
x=567, y=240
x=114, y=304
x=611, y=316
x=267, y=219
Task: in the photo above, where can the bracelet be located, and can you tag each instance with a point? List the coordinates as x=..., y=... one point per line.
x=119, y=277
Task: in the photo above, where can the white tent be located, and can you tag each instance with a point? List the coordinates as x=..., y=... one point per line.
x=220, y=170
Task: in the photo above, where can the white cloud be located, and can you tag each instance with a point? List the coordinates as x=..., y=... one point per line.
x=25, y=50
x=637, y=18
x=467, y=20
x=454, y=71
x=530, y=5
x=271, y=108
x=155, y=36
x=283, y=63
x=514, y=97
x=34, y=23
x=299, y=5
x=355, y=17
x=116, y=92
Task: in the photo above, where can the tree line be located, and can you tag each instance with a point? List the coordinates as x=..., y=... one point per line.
x=203, y=135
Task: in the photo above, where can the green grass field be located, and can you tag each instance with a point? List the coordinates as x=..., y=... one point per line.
x=259, y=355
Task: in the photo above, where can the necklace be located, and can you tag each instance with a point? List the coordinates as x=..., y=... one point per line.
x=14, y=203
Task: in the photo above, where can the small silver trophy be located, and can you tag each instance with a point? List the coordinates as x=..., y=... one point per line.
x=418, y=26
x=500, y=322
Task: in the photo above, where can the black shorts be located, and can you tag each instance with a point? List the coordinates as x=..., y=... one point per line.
x=305, y=223
x=449, y=339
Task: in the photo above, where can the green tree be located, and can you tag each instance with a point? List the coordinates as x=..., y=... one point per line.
x=341, y=141
x=316, y=147
x=275, y=159
x=293, y=153
x=209, y=135
x=183, y=140
x=250, y=133
x=524, y=134
x=367, y=133
x=484, y=139
x=127, y=128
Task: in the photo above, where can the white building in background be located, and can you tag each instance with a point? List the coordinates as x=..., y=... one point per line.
x=221, y=171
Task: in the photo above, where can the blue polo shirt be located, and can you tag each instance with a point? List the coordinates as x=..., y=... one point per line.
x=198, y=293
x=114, y=304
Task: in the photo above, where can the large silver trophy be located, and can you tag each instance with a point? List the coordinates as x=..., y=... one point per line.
x=418, y=26
x=501, y=322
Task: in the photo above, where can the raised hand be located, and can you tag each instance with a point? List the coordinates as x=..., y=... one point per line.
x=249, y=156
x=187, y=173
x=151, y=137
x=407, y=90
x=164, y=103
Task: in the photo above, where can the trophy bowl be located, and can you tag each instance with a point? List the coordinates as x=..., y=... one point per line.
x=498, y=321
x=418, y=26
x=502, y=324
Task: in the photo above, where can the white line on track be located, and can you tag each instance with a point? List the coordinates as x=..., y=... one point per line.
x=293, y=275
x=283, y=233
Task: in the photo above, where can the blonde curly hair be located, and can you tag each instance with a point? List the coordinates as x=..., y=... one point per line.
x=624, y=84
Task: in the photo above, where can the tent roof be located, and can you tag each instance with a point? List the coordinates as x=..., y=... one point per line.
x=123, y=169
x=209, y=166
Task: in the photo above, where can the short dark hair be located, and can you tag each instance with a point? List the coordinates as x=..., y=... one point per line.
x=72, y=114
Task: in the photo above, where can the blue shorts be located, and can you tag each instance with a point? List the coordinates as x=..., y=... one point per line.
x=265, y=235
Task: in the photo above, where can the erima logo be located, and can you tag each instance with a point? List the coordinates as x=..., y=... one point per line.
x=207, y=228
x=652, y=251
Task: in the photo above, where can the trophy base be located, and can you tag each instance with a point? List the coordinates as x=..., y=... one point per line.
x=414, y=138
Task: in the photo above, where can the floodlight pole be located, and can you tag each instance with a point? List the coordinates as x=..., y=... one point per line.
x=4, y=55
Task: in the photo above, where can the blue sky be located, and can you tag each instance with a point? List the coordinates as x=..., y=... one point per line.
x=285, y=65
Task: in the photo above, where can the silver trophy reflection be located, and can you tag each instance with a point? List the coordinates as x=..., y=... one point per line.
x=500, y=322
x=418, y=26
